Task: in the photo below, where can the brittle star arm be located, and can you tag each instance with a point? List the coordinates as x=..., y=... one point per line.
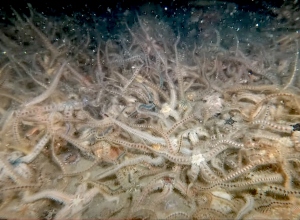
x=73, y=204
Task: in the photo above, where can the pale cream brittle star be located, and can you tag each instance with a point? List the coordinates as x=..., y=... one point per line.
x=74, y=205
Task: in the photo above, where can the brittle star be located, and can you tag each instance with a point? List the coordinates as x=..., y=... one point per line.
x=74, y=205
x=296, y=127
x=229, y=121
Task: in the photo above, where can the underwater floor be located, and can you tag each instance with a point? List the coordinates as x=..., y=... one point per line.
x=152, y=113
